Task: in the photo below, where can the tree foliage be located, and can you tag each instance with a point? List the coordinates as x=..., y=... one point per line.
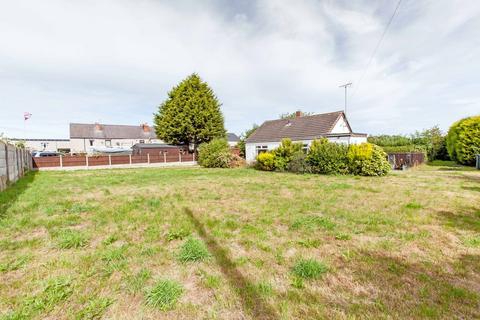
x=243, y=137
x=190, y=115
x=463, y=140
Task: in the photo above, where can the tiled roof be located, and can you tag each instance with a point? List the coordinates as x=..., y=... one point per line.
x=232, y=137
x=300, y=128
x=109, y=131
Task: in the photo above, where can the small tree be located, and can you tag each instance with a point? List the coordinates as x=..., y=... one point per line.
x=191, y=115
x=243, y=138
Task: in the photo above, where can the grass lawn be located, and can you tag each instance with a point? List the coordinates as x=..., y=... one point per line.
x=240, y=244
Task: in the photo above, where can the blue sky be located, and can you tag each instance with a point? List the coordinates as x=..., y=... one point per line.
x=113, y=61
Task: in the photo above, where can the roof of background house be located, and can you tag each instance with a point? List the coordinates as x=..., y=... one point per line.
x=232, y=137
x=115, y=131
x=110, y=131
x=299, y=128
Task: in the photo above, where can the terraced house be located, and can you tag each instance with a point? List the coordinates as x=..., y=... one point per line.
x=334, y=126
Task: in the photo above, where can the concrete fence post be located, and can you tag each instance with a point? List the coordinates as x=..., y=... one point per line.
x=193, y=157
x=6, y=163
x=110, y=160
x=164, y=157
x=130, y=158
x=148, y=158
x=61, y=161
x=86, y=159
x=179, y=157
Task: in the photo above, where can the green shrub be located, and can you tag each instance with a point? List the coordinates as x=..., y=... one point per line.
x=367, y=159
x=164, y=295
x=193, y=250
x=215, y=154
x=463, y=140
x=265, y=161
x=285, y=152
x=328, y=157
x=298, y=164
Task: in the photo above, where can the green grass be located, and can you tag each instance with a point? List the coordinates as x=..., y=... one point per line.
x=309, y=269
x=91, y=244
x=164, y=295
x=193, y=250
x=67, y=239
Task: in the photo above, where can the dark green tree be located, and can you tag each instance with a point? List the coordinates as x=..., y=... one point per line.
x=243, y=137
x=191, y=114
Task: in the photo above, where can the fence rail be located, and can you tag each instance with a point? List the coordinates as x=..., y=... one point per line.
x=108, y=160
x=14, y=163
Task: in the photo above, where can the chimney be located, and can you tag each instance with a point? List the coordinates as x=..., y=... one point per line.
x=298, y=114
x=145, y=127
x=98, y=126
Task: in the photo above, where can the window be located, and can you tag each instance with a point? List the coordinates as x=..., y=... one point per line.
x=305, y=147
x=142, y=141
x=91, y=143
x=261, y=149
x=108, y=143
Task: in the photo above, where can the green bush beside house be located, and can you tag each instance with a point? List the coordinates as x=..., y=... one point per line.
x=326, y=157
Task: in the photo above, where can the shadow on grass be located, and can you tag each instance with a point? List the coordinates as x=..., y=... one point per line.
x=9, y=196
x=467, y=219
x=252, y=302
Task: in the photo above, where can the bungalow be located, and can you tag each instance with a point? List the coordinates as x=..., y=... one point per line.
x=334, y=126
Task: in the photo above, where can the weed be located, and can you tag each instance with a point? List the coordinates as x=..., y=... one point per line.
x=14, y=263
x=135, y=283
x=193, y=250
x=310, y=222
x=309, y=269
x=177, y=234
x=164, y=295
x=413, y=205
x=67, y=239
x=94, y=309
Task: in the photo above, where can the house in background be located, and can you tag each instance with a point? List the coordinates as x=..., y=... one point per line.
x=87, y=137
x=232, y=139
x=55, y=145
x=334, y=126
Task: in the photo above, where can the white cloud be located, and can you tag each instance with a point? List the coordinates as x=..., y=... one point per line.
x=114, y=61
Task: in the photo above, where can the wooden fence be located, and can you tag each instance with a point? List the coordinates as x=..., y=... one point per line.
x=14, y=163
x=109, y=160
x=404, y=160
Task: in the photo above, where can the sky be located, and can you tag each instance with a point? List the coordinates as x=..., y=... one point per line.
x=114, y=61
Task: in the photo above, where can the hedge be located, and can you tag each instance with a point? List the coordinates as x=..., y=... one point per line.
x=463, y=140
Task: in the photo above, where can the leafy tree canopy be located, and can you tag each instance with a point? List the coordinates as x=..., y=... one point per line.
x=243, y=137
x=291, y=115
x=190, y=115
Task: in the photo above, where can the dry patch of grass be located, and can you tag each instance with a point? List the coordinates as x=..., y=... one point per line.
x=240, y=244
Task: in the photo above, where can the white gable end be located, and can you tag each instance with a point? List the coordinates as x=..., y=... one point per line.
x=341, y=126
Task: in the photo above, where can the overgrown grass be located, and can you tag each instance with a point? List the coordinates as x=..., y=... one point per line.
x=91, y=244
x=309, y=269
x=193, y=250
x=164, y=295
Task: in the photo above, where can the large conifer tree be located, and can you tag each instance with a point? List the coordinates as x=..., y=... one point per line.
x=191, y=115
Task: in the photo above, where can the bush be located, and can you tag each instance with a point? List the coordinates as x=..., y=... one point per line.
x=463, y=140
x=327, y=157
x=298, y=164
x=215, y=154
x=285, y=152
x=265, y=161
x=367, y=159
